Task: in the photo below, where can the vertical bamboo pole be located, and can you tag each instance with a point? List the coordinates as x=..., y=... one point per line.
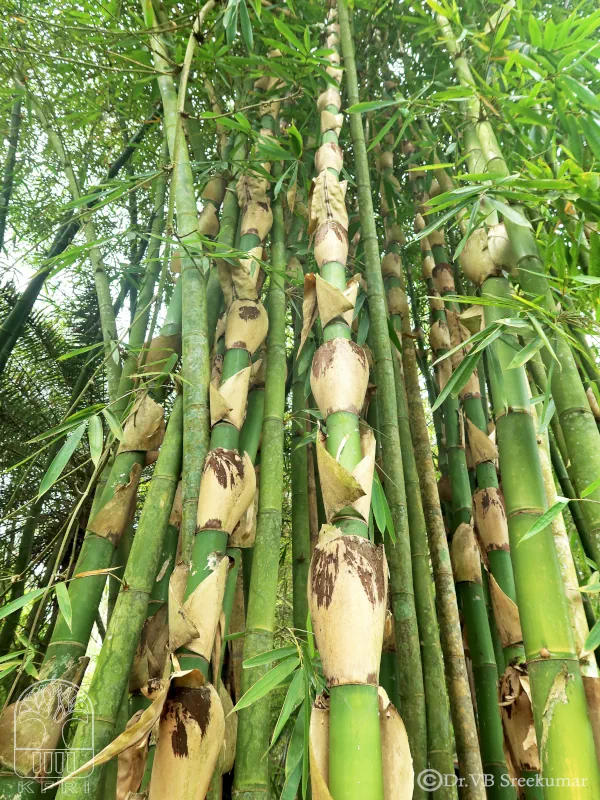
x=399, y=554
x=339, y=376
x=555, y=677
x=463, y=717
x=111, y=675
x=439, y=739
x=575, y=416
x=299, y=461
x=251, y=777
x=465, y=556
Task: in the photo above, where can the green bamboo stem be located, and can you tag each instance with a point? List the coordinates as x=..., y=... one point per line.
x=225, y=435
x=355, y=766
x=577, y=422
x=486, y=477
x=439, y=737
x=195, y=352
x=398, y=554
x=559, y=454
x=299, y=477
x=251, y=777
x=118, y=564
x=566, y=564
x=461, y=707
x=564, y=736
x=111, y=675
x=470, y=593
x=440, y=746
x=8, y=173
x=567, y=490
x=69, y=644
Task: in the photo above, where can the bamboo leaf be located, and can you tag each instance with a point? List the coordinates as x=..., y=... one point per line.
x=10, y=656
x=64, y=602
x=394, y=335
x=549, y=34
x=582, y=93
x=592, y=641
x=541, y=333
x=363, y=327
x=268, y=682
x=382, y=132
x=535, y=33
x=270, y=656
x=293, y=698
x=95, y=438
x=24, y=600
x=290, y=788
x=9, y=669
x=526, y=353
x=591, y=130
x=113, y=424
x=60, y=460
x=371, y=105
x=246, y=25
x=88, y=573
x=458, y=378
x=545, y=519
x=377, y=502
x=509, y=212
x=69, y=423
x=79, y=350
x=293, y=761
x=590, y=489
x=433, y=226
x=230, y=18
x=289, y=34
x=296, y=140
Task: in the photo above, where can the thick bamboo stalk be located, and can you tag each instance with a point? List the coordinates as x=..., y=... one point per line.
x=194, y=315
x=111, y=675
x=487, y=497
x=469, y=582
x=339, y=376
x=399, y=554
x=251, y=777
x=440, y=746
x=577, y=421
x=566, y=564
x=553, y=667
x=461, y=707
x=301, y=551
